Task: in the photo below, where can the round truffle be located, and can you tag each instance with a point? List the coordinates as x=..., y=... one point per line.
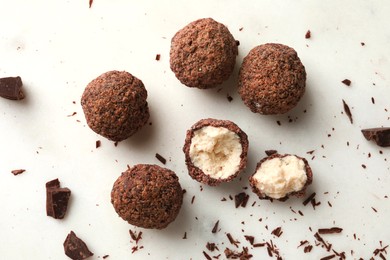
x=272, y=79
x=280, y=176
x=203, y=54
x=215, y=151
x=147, y=196
x=115, y=105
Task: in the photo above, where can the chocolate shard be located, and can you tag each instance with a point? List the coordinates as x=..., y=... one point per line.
x=380, y=135
x=57, y=199
x=75, y=248
x=11, y=88
x=347, y=111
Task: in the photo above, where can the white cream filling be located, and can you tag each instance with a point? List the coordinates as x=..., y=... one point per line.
x=216, y=151
x=279, y=176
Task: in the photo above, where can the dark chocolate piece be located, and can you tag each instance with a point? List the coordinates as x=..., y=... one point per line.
x=328, y=257
x=380, y=135
x=161, y=158
x=11, y=88
x=308, y=34
x=18, y=171
x=241, y=199
x=56, y=199
x=270, y=152
x=158, y=56
x=98, y=143
x=215, y=228
x=346, y=82
x=277, y=231
x=332, y=230
x=347, y=111
x=207, y=256
x=75, y=248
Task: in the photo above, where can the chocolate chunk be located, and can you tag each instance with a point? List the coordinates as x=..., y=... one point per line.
x=332, y=230
x=308, y=34
x=346, y=82
x=380, y=135
x=56, y=199
x=90, y=3
x=75, y=248
x=18, y=171
x=277, y=231
x=11, y=88
x=347, y=111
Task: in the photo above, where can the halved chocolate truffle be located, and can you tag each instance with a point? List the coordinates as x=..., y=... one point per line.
x=280, y=176
x=215, y=151
x=147, y=196
x=115, y=105
x=272, y=79
x=203, y=54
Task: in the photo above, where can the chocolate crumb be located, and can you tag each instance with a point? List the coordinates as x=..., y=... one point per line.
x=215, y=228
x=231, y=240
x=229, y=98
x=98, y=143
x=364, y=166
x=18, y=171
x=250, y=239
x=75, y=248
x=278, y=122
x=322, y=241
x=105, y=256
x=116, y=144
x=308, y=34
x=90, y=3
x=241, y=29
x=211, y=246
x=346, y=82
x=241, y=199
x=300, y=212
x=193, y=199
x=158, y=56
x=277, y=231
x=11, y=88
x=374, y=209
x=237, y=43
x=328, y=257
x=259, y=244
x=270, y=152
x=372, y=100
x=332, y=230
x=306, y=201
x=307, y=249
x=347, y=111
x=161, y=158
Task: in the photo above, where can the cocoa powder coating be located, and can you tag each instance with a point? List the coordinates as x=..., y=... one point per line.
x=196, y=173
x=203, y=54
x=115, y=105
x=299, y=193
x=147, y=196
x=271, y=79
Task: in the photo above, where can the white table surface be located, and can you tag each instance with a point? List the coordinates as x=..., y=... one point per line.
x=58, y=47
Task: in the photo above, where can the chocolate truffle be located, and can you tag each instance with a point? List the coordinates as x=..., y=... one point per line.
x=203, y=54
x=115, y=105
x=272, y=79
x=215, y=151
x=147, y=196
x=280, y=176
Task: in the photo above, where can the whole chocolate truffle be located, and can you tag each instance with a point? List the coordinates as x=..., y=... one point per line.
x=147, y=196
x=215, y=151
x=203, y=54
x=115, y=105
x=271, y=79
x=280, y=176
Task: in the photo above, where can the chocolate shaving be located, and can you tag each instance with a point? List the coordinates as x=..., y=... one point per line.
x=346, y=82
x=306, y=201
x=215, y=228
x=250, y=239
x=18, y=171
x=328, y=257
x=161, y=159
x=241, y=199
x=322, y=241
x=347, y=111
x=56, y=199
x=331, y=230
x=372, y=100
x=308, y=34
x=105, y=256
x=211, y=246
x=380, y=135
x=11, y=88
x=259, y=244
x=277, y=231
x=185, y=235
x=270, y=152
x=231, y=240
x=207, y=256
x=90, y=3
x=75, y=248
x=98, y=143
x=229, y=98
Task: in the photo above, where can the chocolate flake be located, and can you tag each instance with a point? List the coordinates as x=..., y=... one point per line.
x=374, y=209
x=277, y=231
x=98, y=143
x=250, y=239
x=73, y=114
x=270, y=152
x=161, y=158
x=372, y=100
x=18, y=171
x=105, y=256
x=308, y=34
x=56, y=199
x=231, y=240
x=347, y=111
x=331, y=230
x=11, y=88
x=241, y=199
x=322, y=241
x=328, y=257
x=306, y=201
x=380, y=135
x=307, y=249
x=193, y=199
x=75, y=248
x=158, y=56
x=243, y=255
x=229, y=98
x=215, y=228
x=207, y=256
x=90, y=3
x=185, y=235
x=346, y=82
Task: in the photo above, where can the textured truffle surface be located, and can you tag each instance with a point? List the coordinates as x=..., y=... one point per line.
x=299, y=193
x=147, y=196
x=272, y=79
x=115, y=105
x=203, y=54
x=195, y=172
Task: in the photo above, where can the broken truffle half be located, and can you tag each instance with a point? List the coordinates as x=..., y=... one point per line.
x=272, y=79
x=115, y=105
x=215, y=151
x=203, y=54
x=147, y=196
x=280, y=176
